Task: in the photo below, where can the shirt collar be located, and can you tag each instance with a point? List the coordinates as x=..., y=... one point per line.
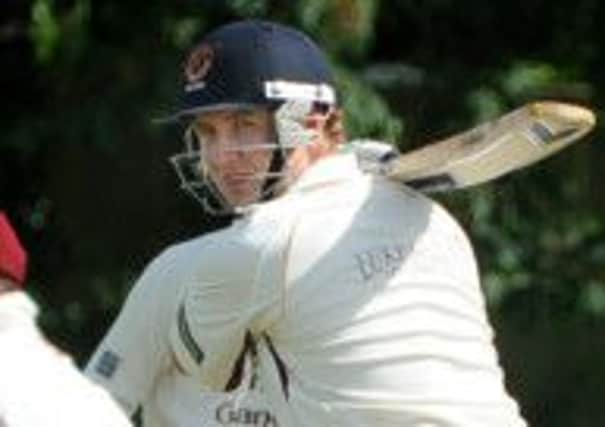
x=328, y=170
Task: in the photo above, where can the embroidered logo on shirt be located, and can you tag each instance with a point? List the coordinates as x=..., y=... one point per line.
x=229, y=414
x=107, y=364
x=187, y=338
x=383, y=262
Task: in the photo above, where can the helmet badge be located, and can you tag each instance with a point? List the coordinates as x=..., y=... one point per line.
x=198, y=66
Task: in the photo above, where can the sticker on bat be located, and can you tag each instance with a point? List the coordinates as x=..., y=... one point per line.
x=542, y=134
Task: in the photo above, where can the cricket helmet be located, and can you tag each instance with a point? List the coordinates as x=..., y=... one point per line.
x=247, y=65
x=252, y=63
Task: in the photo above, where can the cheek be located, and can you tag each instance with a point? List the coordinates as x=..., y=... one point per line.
x=212, y=157
x=261, y=159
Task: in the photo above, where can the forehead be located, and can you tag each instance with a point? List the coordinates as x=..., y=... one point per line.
x=222, y=116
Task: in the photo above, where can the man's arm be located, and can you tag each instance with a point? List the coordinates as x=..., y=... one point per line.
x=135, y=349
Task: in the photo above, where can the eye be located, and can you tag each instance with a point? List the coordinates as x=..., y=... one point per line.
x=205, y=132
x=248, y=122
x=252, y=119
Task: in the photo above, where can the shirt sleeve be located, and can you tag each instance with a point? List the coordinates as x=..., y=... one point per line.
x=135, y=350
x=40, y=386
x=215, y=308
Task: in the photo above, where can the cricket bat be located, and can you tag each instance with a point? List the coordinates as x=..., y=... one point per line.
x=518, y=139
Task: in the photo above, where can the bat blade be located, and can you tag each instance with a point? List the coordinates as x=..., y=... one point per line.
x=516, y=140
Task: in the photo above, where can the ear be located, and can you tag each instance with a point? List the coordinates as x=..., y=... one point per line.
x=329, y=126
x=315, y=121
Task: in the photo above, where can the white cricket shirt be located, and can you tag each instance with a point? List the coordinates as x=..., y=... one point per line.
x=368, y=291
x=38, y=385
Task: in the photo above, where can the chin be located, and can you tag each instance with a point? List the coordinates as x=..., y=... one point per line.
x=242, y=195
x=241, y=200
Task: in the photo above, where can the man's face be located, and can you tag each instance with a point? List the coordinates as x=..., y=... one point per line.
x=236, y=148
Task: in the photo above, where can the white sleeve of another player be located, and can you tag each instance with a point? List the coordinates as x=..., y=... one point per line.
x=135, y=349
x=39, y=386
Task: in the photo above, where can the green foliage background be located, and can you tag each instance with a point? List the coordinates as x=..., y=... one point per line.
x=83, y=171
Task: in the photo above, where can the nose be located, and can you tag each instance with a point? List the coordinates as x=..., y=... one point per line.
x=229, y=153
x=224, y=152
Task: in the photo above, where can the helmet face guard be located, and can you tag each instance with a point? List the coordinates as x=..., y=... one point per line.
x=243, y=66
x=194, y=166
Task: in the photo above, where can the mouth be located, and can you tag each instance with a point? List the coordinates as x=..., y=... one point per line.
x=240, y=185
x=239, y=178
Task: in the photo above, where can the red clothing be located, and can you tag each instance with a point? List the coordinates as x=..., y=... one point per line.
x=13, y=258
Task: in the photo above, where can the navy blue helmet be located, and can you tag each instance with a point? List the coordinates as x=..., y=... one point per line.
x=251, y=63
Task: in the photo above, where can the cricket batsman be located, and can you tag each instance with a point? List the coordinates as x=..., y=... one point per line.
x=337, y=297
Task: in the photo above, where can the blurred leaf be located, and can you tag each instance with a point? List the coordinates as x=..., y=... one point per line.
x=592, y=299
x=248, y=8
x=342, y=26
x=53, y=33
x=181, y=32
x=368, y=115
x=44, y=30
x=389, y=76
x=527, y=77
x=485, y=104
